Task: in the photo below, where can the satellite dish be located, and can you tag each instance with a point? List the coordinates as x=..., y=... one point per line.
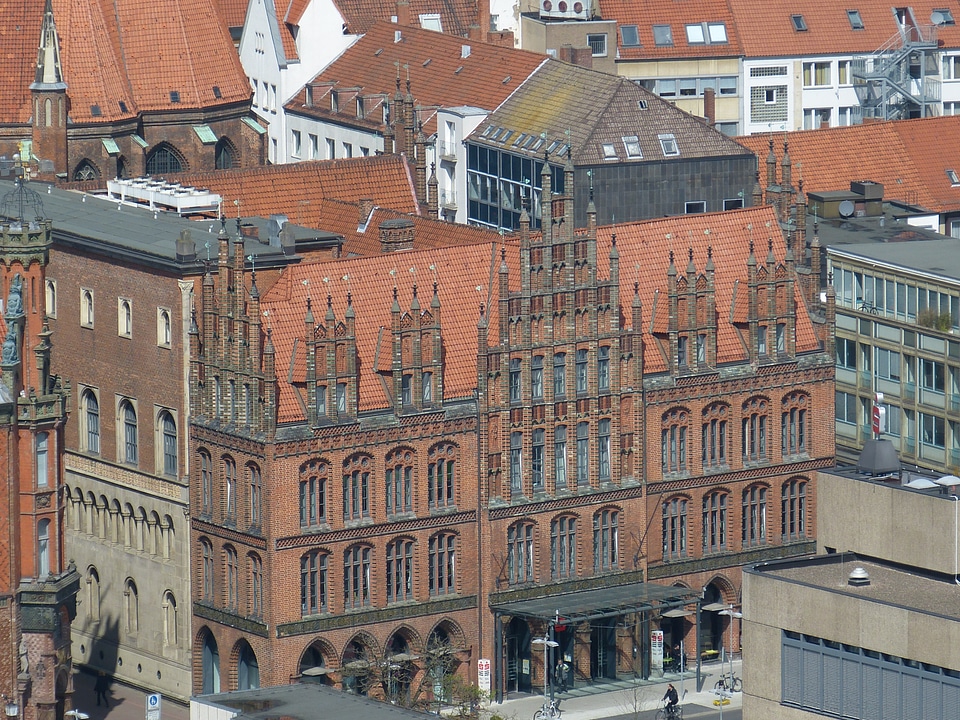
x=847, y=208
x=936, y=17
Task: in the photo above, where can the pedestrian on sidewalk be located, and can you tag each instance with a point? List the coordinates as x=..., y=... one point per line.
x=100, y=687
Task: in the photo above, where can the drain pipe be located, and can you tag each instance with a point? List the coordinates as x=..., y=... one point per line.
x=956, y=539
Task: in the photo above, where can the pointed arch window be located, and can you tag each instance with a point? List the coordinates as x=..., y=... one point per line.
x=169, y=608
x=164, y=160
x=225, y=156
x=86, y=171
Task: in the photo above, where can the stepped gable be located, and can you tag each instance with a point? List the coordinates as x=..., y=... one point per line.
x=458, y=272
x=912, y=167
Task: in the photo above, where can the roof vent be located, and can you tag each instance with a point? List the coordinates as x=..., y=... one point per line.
x=858, y=577
x=464, y=51
x=878, y=457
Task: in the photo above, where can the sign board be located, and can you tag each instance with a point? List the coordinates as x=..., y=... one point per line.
x=483, y=675
x=153, y=706
x=656, y=650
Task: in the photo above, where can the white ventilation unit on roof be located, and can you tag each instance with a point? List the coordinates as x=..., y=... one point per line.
x=566, y=9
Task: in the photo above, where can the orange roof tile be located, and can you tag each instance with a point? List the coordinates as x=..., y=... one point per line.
x=233, y=12
x=766, y=28
x=466, y=276
x=647, y=13
x=456, y=16
x=439, y=74
x=644, y=249
x=286, y=29
x=133, y=52
x=293, y=189
x=912, y=165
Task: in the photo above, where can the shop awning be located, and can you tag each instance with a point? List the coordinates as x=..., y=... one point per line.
x=586, y=605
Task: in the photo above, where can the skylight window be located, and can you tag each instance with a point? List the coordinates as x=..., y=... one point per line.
x=856, y=22
x=174, y=96
x=216, y=92
x=631, y=144
x=609, y=151
x=799, y=24
x=695, y=35
x=954, y=178
x=662, y=35
x=95, y=110
x=942, y=16
x=629, y=36
x=717, y=32
x=668, y=143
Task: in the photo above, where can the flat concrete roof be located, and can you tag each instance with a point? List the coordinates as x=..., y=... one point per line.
x=940, y=257
x=889, y=584
x=307, y=701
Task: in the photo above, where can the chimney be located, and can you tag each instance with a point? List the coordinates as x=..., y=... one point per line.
x=576, y=56
x=249, y=230
x=396, y=235
x=403, y=13
x=366, y=209
x=186, y=247
x=710, y=105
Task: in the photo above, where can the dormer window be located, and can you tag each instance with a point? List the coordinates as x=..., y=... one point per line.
x=856, y=22
x=799, y=24
x=360, y=111
x=334, y=102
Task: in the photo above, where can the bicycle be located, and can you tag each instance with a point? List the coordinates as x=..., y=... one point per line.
x=676, y=713
x=549, y=711
x=730, y=683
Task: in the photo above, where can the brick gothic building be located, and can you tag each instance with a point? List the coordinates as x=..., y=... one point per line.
x=38, y=587
x=419, y=489
x=99, y=99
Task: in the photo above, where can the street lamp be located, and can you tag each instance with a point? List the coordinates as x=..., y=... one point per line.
x=77, y=715
x=12, y=709
x=547, y=643
x=731, y=613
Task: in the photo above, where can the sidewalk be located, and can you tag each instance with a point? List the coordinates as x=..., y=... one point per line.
x=126, y=703
x=624, y=698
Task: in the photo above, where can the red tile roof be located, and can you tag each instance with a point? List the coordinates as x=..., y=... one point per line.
x=909, y=159
x=285, y=26
x=466, y=276
x=131, y=51
x=234, y=12
x=766, y=28
x=644, y=249
x=456, y=16
x=295, y=188
x=439, y=74
x=647, y=13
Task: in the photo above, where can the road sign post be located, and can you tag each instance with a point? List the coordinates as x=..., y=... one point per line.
x=153, y=706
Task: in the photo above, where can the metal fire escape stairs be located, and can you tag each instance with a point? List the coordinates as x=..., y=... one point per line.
x=902, y=78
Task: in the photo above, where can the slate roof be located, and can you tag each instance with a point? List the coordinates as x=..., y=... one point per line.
x=766, y=28
x=647, y=13
x=588, y=109
x=911, y=159
x=294, y=189
x=466, y=276
x=439, y=75
x=134, y=52
x=456, y=16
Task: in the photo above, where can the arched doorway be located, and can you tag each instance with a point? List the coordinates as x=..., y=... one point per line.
x=398, y=670
x=313, y=666
x=248, y=669
x=517, y=651
x=355, y=669
x=210, y=665
x=440, y=661
x=712, y=622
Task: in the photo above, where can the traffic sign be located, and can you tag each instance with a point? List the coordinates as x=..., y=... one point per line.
x=153, y=706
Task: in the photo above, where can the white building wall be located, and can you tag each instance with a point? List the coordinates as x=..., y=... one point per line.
x=332, y=141
x=453, y=125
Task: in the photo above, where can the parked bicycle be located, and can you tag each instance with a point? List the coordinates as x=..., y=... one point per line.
x=670, y=713
x=549, y=711
x=730, y=683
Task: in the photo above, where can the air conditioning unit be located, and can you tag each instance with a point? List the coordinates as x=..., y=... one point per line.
x=566, y=9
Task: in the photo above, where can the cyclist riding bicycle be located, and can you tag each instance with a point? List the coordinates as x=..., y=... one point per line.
x=672, y=699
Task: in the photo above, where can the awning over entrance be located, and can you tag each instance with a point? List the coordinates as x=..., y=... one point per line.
x=586, y=605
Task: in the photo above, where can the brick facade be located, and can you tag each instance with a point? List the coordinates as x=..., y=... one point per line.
x=365, y=402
